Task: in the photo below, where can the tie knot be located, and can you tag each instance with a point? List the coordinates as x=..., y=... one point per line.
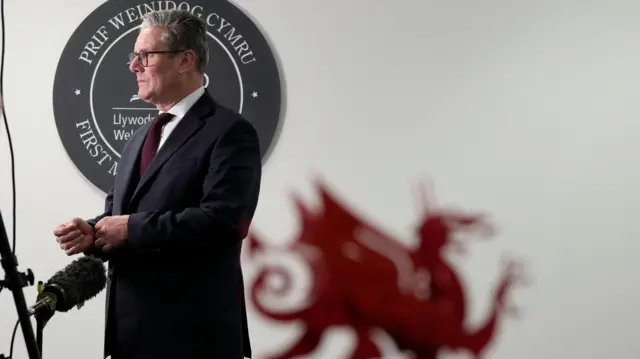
x=162, y=119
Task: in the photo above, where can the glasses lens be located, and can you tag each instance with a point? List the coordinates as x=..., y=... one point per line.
x=142, y=57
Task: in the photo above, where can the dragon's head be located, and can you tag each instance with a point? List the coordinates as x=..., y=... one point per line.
x=438, y=227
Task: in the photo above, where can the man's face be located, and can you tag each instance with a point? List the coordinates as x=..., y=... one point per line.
x=156, y=78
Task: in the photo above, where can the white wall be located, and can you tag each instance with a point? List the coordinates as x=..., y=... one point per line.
x=525, y=109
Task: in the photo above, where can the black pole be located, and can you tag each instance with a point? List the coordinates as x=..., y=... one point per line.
x=15, y=281
x=40, y=323
x=42, y=318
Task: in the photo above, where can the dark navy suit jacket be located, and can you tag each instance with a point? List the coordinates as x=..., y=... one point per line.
x=175, y=288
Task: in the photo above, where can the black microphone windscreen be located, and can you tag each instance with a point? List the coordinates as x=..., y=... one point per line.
x=81, y=280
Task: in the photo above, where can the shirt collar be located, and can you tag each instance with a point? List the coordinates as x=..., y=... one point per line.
x=180, y=109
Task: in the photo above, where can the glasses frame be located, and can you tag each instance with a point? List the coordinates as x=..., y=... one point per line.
x=143, y=56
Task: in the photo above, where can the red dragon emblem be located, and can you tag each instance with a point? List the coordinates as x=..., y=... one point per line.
x=364, y=279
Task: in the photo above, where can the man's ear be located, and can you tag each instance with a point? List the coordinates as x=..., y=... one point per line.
x=187, y=61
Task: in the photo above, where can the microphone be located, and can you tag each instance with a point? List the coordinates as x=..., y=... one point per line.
x=78, y=282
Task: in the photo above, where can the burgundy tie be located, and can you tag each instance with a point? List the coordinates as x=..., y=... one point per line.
x=150, y=146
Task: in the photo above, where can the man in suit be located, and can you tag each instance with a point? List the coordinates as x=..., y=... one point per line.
x=184, y=195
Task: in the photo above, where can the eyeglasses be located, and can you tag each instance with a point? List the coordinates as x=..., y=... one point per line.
x=143, y=56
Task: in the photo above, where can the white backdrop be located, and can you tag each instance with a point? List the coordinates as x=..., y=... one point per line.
x=525, y=109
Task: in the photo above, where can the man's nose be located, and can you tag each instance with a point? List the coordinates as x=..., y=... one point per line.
x=134, y=65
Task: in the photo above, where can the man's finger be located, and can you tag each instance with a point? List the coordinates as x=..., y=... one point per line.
x=69, y=237
x=73, y=250
x=73, y=235
x=107, y=248
x=75, y=222
x=59, y=239
x=62, y=229
x=72, y=243
x=100, y=242
x=100, y=224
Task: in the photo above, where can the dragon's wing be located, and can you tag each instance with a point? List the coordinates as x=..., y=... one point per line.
x=358, y=254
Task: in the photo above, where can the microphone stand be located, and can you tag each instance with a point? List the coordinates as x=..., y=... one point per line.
x=42, y=318
x=39, y=329
x=15, y=281
x=41, y=321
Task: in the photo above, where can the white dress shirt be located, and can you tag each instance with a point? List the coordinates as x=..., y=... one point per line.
x=178, y=111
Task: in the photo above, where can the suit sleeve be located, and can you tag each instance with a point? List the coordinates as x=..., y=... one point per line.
x=108, y=210
x=230, y=192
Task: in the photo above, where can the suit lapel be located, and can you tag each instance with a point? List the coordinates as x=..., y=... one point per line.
x=127, y=165
x=188, y=126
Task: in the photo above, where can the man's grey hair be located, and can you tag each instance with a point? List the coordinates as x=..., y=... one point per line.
x=185, y=31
